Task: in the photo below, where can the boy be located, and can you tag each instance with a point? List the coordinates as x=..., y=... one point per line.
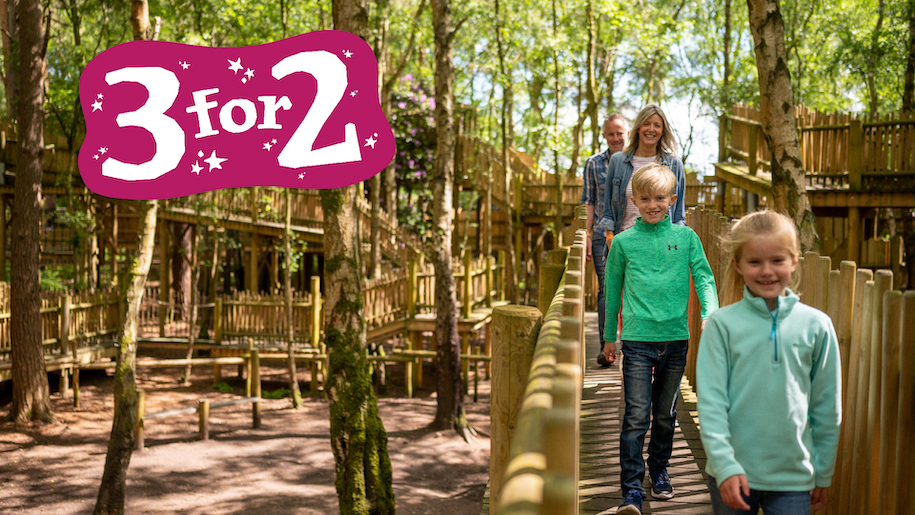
x=651, y=265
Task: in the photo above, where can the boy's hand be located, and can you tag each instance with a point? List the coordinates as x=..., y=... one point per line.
x=588, y=248
x=731, y=490
x=818, y=498
x=610, y=352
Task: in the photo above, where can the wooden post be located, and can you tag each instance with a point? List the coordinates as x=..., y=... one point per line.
x=316, y=333
x=500, y=259
x=64, y=341
x=251, y=271
x=141, y=411
x=557, y=256
x=203, y=419
x=165, y=277
x=823, y=266
x=250, y=365
x=855, y=154
x=560, y=442
x=256, y=387
x=490, y=263
x=882, y=281
x=74, y=352
x=559, y=221
x=3, y=232
x=218, y=330
x=853, y=409
x=752, y=148
x=720, y=196
x=467, y=294
x=515, y=331
x=550, y=276
x=905, y=498
x=853, y=245
x=722, y=138
x=889, y=400
x=414, y=338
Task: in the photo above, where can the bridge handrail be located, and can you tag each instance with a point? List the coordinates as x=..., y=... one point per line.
x=542, y=473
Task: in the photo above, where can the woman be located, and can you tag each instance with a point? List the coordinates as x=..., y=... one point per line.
x=650, y=141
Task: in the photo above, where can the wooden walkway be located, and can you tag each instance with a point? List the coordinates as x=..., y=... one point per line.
x=601, y=420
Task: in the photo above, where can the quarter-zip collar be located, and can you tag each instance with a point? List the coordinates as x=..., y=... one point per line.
x=783, y=305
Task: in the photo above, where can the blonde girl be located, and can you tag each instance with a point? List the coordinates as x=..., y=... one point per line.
x=769, y=377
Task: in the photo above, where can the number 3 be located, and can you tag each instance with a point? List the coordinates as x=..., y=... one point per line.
x=162, y=86
x=330, y=73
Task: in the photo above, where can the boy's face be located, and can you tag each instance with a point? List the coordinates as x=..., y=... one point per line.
x=653, y=206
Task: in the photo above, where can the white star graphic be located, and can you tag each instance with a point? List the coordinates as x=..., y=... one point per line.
x=96, y=106
x=273, y=141
x=196, y=168
x=371, y=141
x=235, y=65
x=103, y=149
x=214, y=162
x=95, y=157
x=353, y=93
x=347, y=53
x=200, y=153
x=249, y=73
x=267, y=145
x=302, y=175
x=100, y=96
x=184, y=65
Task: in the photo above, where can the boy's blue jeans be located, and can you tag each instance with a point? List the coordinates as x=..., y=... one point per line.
x=599, y=256
x=651, y=383
x=782, y=503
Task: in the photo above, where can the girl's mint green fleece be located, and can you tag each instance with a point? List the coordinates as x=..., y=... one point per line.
x=650, y=264
x=769, y=388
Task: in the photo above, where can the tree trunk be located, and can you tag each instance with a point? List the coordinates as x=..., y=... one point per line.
x=9, y=26
x=776, y=98
x=592, y=81
x=726, y=83
x=112, y=491
x=31, y=399
x=294, y=391
x=358, y=438
x=181, y=268
x=908, y=92
x=511, y=278
x=450, y=408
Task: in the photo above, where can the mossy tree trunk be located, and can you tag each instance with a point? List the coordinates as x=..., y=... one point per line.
x=112, y=492
x=31, y=399
x=776, y=100
x=450, y=411
x=358, y=438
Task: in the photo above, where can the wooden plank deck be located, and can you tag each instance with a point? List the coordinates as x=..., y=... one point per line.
x=601, y=420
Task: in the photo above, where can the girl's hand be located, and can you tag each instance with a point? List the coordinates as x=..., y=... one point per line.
x=818, y=498
x=731, y=490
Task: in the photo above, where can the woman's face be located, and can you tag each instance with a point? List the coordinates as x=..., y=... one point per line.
x=651, y=131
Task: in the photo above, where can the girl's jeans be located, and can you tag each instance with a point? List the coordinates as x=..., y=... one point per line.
x=782, y=503
x=651, y=383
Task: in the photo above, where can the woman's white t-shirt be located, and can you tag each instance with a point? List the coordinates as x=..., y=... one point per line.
x=631, y=212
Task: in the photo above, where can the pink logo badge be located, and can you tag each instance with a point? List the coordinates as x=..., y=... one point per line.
x=166, y=120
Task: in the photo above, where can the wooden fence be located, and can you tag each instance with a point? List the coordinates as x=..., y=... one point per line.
x=541, y=468
x=876, y=330
x=837, y=150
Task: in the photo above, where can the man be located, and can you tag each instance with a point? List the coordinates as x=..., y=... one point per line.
x=616, y=129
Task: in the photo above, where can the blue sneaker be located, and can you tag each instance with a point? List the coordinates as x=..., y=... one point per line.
x=660, y=484
x=632, y=503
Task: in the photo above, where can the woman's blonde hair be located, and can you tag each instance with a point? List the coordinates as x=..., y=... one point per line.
x=750, y=227
x=666, y=143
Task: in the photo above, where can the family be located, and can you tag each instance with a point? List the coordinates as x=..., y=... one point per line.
x=768, y=369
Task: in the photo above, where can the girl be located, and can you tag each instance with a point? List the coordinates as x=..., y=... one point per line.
x=768, y=375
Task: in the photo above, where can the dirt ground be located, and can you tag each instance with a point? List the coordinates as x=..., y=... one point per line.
x=284, y=467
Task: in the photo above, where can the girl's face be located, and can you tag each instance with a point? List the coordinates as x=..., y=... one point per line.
x=766, y=266
x=650, y=132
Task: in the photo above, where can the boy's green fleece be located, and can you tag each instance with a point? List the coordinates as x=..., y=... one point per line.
x=770, y=394
x=650, y=265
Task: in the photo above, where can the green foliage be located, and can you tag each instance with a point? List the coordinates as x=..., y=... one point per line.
x=414, y=132
x=279, y=393
x=56, y=278
x=222, y=386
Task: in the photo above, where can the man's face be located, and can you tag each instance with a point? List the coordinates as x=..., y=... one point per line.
x=615, y=132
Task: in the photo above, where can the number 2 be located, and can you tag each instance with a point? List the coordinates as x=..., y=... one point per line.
x=330, y=73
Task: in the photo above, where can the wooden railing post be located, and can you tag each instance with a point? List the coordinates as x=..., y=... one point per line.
x=218, y=331
x=723, y=138
x=889, y=400
x=256, y=387
x=203, y=419
x=63, y=340
x=514, y=330
x=855, y=154
x=467, y=293
x=906, y=444
x=752, y=157
x=490, y=264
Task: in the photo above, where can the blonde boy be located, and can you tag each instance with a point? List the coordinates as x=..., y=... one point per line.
x=649, y=267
